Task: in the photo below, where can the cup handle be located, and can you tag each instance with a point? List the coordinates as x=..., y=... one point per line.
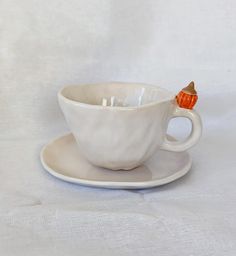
x=191, y=140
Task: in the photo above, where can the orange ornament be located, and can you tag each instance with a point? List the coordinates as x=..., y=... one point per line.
x=187, y=97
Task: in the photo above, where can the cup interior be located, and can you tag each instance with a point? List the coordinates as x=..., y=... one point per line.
x=116, y=94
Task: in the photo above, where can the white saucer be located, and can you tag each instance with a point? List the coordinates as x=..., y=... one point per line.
x=62, y=159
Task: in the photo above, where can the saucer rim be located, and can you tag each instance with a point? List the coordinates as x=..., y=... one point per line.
x=113, y=184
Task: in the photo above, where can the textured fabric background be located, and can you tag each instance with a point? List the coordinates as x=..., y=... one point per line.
x=47, y=44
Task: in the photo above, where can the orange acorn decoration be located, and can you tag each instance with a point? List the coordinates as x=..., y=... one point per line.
x=187, y=97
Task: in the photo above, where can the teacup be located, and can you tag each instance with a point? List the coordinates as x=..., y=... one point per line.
x=121, y=125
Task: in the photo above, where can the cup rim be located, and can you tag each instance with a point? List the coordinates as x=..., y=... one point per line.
x=169, y=97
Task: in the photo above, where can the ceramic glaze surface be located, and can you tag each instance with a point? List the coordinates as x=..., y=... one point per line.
x=62, y=159
x=116, y=94
x=120, y=126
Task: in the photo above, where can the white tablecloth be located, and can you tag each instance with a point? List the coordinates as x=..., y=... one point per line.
x=46, y=44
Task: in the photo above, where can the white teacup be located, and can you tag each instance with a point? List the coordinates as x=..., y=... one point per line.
x=121, y=125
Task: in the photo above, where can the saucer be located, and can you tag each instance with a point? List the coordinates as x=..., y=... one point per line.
x=62, y=159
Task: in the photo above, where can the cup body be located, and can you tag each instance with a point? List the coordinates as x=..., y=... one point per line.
x=117, y=125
